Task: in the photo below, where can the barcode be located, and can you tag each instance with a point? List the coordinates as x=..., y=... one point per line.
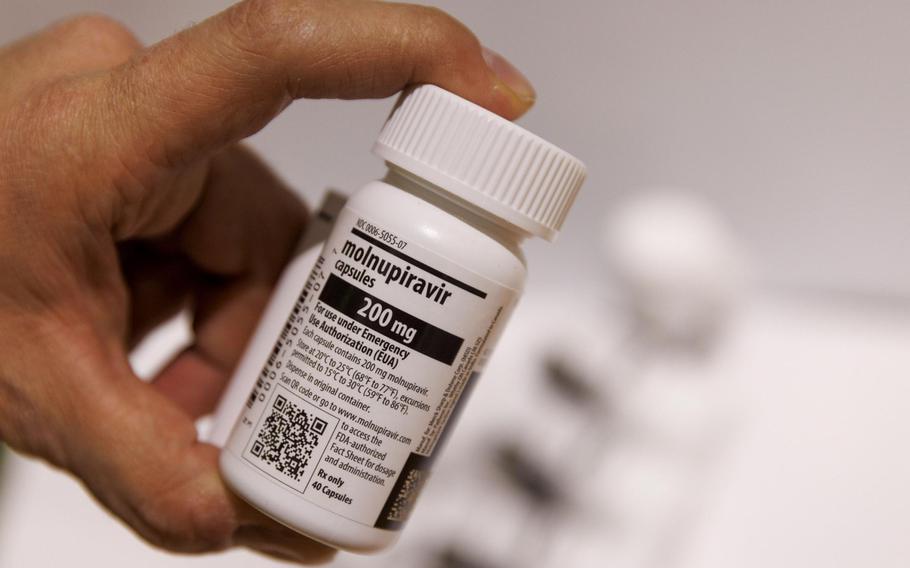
x=407, y=495
x=288, y=437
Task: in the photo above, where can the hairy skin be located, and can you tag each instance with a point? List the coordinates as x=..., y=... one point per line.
x=124, y=197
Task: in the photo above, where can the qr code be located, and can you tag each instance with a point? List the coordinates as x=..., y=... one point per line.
x=407, y=495
x=288, y=438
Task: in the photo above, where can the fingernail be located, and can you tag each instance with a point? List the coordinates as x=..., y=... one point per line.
x=510, y=76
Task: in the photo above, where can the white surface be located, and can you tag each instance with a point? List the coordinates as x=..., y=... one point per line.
x=822, y=475
x=818, y=475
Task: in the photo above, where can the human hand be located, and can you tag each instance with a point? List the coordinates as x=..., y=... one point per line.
x=124, y=198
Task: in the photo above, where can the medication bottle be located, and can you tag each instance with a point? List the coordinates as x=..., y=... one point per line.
x=391, y=327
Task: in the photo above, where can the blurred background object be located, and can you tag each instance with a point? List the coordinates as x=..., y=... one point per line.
x=697, y=378
x=680, y=268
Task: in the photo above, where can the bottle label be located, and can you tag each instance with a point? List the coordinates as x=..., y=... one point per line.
x=369, y=371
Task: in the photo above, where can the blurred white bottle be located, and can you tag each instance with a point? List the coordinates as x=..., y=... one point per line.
x=680, y=266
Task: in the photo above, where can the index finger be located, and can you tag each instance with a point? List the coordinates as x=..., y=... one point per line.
x=225, y=78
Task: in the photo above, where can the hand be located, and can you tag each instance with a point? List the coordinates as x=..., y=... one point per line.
x=124, y=197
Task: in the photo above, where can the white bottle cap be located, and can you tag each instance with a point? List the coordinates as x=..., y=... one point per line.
x=482, y=159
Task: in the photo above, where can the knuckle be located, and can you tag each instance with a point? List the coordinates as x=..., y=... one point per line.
x=439, y=24
x=26, y=143
x=202, y=522
x=94, y=25
x=61, y=108
x=19, y=414
x=263, y=24
x=103, y=34
x=444, y=35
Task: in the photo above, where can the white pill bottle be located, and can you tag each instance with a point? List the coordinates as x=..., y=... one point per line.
x=389, y=330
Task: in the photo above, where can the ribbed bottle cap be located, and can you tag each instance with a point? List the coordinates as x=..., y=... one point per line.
x=483, y=159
